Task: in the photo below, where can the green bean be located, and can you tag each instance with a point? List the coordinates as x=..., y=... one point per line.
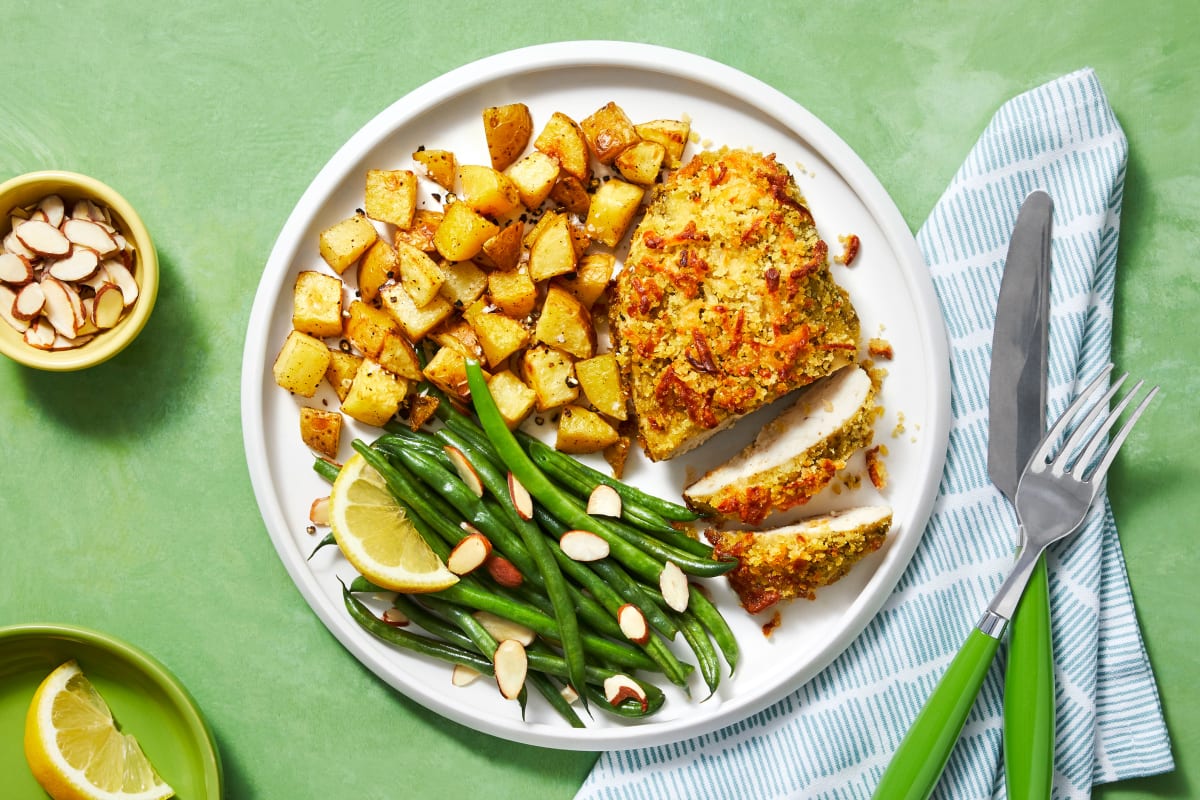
x=326, y=469
x=430, y=622
x=325, y=542
x=549, y=690
x=715, y=624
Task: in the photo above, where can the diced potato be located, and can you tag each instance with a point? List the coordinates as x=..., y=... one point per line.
x=415, y=322
x=563, y=140
x=570, y=193
x=502, y=251
x=507, y=130
x=447, y=370
x=591, y=277
x=301, y=364
x=377, y=266
x=440, y=165
x=489, y=192
x=317, y=304
x=321, y=430
x=398, y=357
x=672, y=134
x=553, y=253
x=583, y=431
x=458, y=334
x=514, y=399
x=342, y=243
x=463, y=283
x=462, y=232
x=375, y=394
x=367, y=326
x=534, y=176
x=422, y=231
x=613, y=207
x=551, y=375
x=609, y=131
x=421, y=409
x=600, y=380
x=513, y=292
x=579, y=238
x=641, y=162
x=391, y=196
x=617, y=454
x=565, y=324
x=419, y=274
x=539, y=227
x=500, y=336
x=341, y=370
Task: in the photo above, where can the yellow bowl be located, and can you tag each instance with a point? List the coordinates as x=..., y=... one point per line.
x=28, y=189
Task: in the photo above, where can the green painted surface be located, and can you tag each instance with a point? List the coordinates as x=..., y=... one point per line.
x=126, y=504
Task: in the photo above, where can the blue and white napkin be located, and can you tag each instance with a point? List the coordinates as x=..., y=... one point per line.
x=834, y=737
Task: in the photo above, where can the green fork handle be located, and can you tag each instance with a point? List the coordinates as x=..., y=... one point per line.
x=1029, y=695
x=918, y=763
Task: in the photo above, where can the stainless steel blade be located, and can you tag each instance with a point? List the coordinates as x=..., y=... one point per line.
x=1017, y=391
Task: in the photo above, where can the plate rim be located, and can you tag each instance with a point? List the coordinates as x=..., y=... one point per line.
x=672, y=63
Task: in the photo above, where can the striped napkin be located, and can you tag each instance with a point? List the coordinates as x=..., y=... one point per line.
x=834, y=737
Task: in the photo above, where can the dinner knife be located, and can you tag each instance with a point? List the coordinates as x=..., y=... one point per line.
x=1017, y=422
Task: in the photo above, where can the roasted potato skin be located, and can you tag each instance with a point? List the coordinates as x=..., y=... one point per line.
x=562, y=139
x=321, y=431
x=440, y=165
x=609, y=132
x=583, y=431
x=600, y=380
x=507, y=130
x=462, y=232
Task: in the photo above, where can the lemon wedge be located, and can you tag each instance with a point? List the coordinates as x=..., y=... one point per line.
x=75, y=750
x=377, y=537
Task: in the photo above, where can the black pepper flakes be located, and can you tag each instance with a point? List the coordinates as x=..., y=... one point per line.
x=344, y=346
x=539, y=420
x=311, y=530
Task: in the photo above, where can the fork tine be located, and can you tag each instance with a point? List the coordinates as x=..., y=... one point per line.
x=1100, y=438
x=1118, y=440
x=1042, y=456
x=1081, y=433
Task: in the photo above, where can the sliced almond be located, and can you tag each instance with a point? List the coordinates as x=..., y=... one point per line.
x=13, y=245
x=569, y=694
x=633, y=623
x=619, y=688
x=503, y=571
x=100, y=278
x=462, y=675
x=89, y=311
x=469, y=554
x=90, y=234
x=511, y=664
x=501, y=628
x=604, y=502
x=395, y=617
x=583, y=546
x=81, y=209
x=60, y=308
x=43, y=238
x=69, y=343
x=29, y=302
x=521, y=500
x=107, y=306
x=16, y=269
x=40, y=334
x=79, y=265
x=318, y=512
x=464, y=469
x=121, y=276
x=8, y=300
x=674, y=586
x=53, y=208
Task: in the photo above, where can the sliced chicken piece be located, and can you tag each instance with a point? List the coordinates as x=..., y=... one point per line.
x=796, y=455
x=796, y=560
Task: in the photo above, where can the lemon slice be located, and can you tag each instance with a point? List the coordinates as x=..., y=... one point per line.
x=377, y=538
x=75, y=750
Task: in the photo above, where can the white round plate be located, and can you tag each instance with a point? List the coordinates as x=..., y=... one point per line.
x=888, y=283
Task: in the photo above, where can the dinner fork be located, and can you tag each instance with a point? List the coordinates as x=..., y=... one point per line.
x=1057, y=488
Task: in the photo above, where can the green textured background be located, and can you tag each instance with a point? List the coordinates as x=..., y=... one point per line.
x=125, y=502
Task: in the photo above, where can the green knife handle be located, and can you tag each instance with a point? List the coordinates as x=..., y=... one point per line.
x=918, y=763
x=1029, y=695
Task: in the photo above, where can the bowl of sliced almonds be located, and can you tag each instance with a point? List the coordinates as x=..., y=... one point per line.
x=78, y=271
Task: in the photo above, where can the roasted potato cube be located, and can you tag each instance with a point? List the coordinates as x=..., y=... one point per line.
x=513, y=292
x=317, y=304
x=514, y=399
x=462, y=232
x=563, y=140
x=420, y=234
x=672, y=134
x=301, y=364
x=391, y=196
x=551, y=375
x=447, y=370
x=507, y=130
x=440, y=165
x=500, y=336
x=375, y=394
x=572, y=195
x=420, y=275
x=377, y=266
x=502, y=251
x=398, y=357
x=579, y=238
x=583, y=431
x=534, y=176
x=340, y=372
x=553, y=253
x=641, y=163
x=565, y=324
x=415, y=322
x=367, y=326
x=464, y=283
x=489, y=192
x=342, y=243
x=609, y=131
x=458, y=334
x=591, y=277
x=600, y=380
x=321, y=431
x=613, y=207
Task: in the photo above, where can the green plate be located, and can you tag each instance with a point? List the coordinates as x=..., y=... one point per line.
x=145, y=698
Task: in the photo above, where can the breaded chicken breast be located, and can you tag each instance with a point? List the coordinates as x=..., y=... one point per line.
x=725, y=302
